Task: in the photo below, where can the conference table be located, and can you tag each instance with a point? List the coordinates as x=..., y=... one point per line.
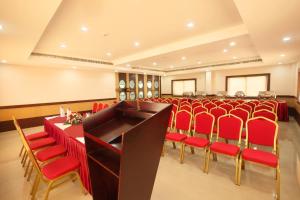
x=71, y=136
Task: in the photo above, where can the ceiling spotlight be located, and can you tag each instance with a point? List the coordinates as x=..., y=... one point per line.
x=282, y=55
x=136, y=44
x=1, y=27
x=63, y=45
x=190, y=25
x=108, y=54
x=74, y=67
x=171, y=66
x=232, y=44
x=128, y=65
x=165, y=74
x=183, y=58
x=199, y=62
x=225, y=50
x=286, y=39
x=144, y=73
x=154, y=64
x=84, y=29
x=116, y=71
x=234, y=57
x=280, y=63
x=3, y=61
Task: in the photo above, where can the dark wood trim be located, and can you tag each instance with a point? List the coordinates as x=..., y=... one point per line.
x=285, y=96
x=55, y=103
x=26, y=122
x=268, y=75
x=188, y=79
x=166, y=94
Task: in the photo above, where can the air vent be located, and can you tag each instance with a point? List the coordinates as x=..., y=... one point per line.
x=71, y=58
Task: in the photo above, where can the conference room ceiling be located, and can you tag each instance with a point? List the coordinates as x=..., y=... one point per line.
x=149, y=35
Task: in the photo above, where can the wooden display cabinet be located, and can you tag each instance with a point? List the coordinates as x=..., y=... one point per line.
x=123, y=145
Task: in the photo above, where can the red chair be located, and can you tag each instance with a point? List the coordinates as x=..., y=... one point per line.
x=275, y=103
x=214, y=100
x=185, y=103
x=218, y=102
x=164, y=101
x=217, y=112
x=252, y=105
x=174, y=109
x=263, y=107
x=229, y=128
x=244, y=115
x=256, y=102
x=183, y=121
x=245, y=107
x=195, y=100
x=264, y=132
x=203, y=125
x=175, y=101
x=227, y=107
x=95, y=107
x=269, y=104
x=240, y=101
x=196, y=104
x=234, y=104
x=227, y=100
x=105, y=105
x=169, y=100
x=205, y=101
x=210, y=105
x=199, y=109
x=100, y=107
x=265, y=113
x=187, y=108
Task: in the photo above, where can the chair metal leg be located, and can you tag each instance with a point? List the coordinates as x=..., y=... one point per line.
x=48, y=189
x=240, y=171
x=81, y=184
x=182, y=150
x=243, y=165
x=204, y=160
x=208, y=160
x=21, y=151
x=192, y=150
x=174, y=145
x=278, y=183
x=25, y=160
x=27, y=167
x=35, y=187
x=236, y=170
x=215, y=158
x=30, y=172
x=163, y=150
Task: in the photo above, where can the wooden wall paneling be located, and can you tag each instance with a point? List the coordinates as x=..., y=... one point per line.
x=127, y=87
x=149, y=78
x=117, y=86
x=137, y=86
x=122, y=77
x=132, y=87
x=156, y=91
x=145, y=86
x=141, y=91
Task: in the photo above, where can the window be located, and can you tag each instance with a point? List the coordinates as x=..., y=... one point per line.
x=249, y=84
x=179, y=87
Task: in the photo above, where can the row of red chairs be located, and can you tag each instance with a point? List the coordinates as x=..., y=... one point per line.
x=99, y=106
x=50, y=161
x=259, y=131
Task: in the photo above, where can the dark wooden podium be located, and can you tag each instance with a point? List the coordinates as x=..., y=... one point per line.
x=123, y=145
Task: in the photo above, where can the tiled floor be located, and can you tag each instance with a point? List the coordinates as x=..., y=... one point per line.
x=174, y=181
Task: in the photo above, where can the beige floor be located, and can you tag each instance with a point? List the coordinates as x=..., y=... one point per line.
x=174, y=181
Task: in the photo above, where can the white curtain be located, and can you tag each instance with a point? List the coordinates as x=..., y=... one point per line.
x=179, y=87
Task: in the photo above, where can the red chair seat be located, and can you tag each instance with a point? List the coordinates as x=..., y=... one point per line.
x=261, y=157
x=37, y=144
x=177, y=137
x=215, y=130
x=196, y=142
x=228, y=149
x=38, y=135
x=60, y=166
x=244, y=134
x=51, y=152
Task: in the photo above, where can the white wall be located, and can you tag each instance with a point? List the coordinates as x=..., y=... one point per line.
x=166, y=81
x=27, y=85
x=283, y=79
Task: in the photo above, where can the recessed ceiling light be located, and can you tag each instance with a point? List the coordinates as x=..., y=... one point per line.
x=84, y=29
x=154, y=64
x=3, y=61
x=136, y=44
x=280, y=63
x=207, y=70
x=286, y=39
x=165, y=74
x=108, y=54
x=171, y=66
x=128, y=65
x=183, y=58
x=190, y=25
x=225, y=50
x=63, y=45
x=199, y=62
x=74, y=67
x=232, y=44
x=1, y=27
x=144, y=73
x=116, y=70
x=234, y=57
x=282, y=55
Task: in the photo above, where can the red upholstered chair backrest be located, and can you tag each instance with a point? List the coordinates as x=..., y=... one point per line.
x=265, y=113
x=204, y=123
x=227, y=101
x=169, y=100
x=175, y=101
x=269, y=104
x=171, y=120
x=234, y=103
x=218, y=102
x=252, y=105
x=240, y=101
x=196, y=104
x=100, y=107
x=263, y=107
x=174, y=109
x=262, y=131
x=186, y=107
x=245, y=107
x=256, y=102
x=275, y=103
x=241, y=113
x=105, y=105
x=230, y=127
x=205, y=101
x=210, y=105
x=214, y=100
x=183, y=120
x=227, y=107
x=164, y=101
x=95, y=107
x=185, y=103
x=199, y=109
x=217, y=113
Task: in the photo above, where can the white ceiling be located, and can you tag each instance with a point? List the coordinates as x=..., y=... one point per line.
x=257, y=27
